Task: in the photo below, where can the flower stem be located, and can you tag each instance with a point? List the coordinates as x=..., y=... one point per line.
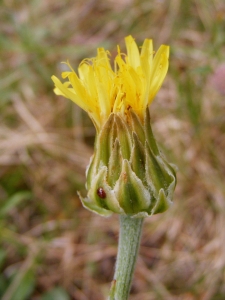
x=129, y=240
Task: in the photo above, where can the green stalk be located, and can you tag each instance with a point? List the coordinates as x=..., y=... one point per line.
x=129, y=240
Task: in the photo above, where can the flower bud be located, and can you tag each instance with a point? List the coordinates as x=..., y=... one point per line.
x=127, y=173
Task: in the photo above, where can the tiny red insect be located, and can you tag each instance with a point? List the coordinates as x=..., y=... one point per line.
x=101, y=193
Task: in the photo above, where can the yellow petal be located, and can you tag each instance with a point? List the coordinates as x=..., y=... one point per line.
x=78, y=87
x=134, y=82
x=65, y=74
x=133, y=55
x=87, y=77
x=146, y=65
x=159, y=70
x=63, y=90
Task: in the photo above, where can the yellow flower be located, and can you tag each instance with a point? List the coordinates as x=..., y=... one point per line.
x=127, y=173
x=134, y=82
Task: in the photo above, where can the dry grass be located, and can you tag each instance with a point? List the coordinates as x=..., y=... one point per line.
x=51, y=248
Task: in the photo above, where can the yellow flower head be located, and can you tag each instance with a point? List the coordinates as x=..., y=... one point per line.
x=134, y=82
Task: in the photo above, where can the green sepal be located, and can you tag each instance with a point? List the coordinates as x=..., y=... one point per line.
x=140, y=215
x=102, y=150
x=162, y=203
x=172, y=179
x=90, y=171
x=133, y=197
x=137, y=127
x=109, y=201
x=115, y=164
x=149, y=134
x=138, y=158
x=155, y=174
x=124, y=137
x=104, y=142
x=167, y=170
x=88, y=204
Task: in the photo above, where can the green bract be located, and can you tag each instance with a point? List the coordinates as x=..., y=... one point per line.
x=127, y=173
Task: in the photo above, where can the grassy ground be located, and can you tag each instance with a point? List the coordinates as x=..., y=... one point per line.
x=51, y=247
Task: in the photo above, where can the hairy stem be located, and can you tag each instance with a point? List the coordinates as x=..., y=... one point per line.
x=129, y=240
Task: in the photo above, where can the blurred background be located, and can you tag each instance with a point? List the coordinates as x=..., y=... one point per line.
x=51, y=247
